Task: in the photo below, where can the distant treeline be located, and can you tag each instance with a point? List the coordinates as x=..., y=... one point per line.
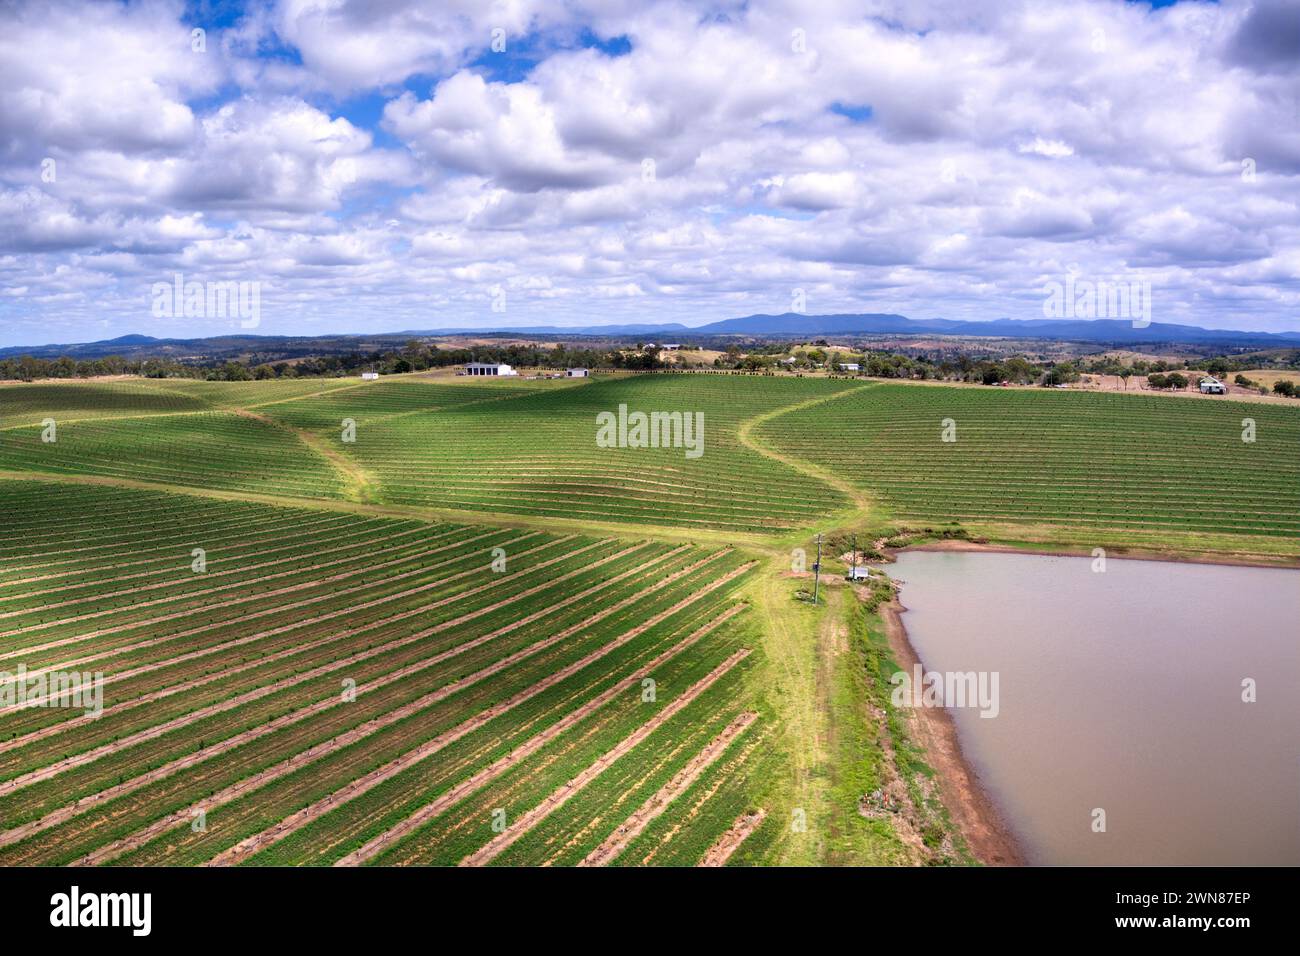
x=769, y=357
x=961, y=368
x=413, y=357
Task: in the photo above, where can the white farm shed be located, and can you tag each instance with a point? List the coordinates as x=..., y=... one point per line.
x=850, y=367
x=576, y=373
x=489, y=368
x=369, y=376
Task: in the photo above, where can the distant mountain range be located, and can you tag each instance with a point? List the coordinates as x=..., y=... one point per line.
x=788, y=325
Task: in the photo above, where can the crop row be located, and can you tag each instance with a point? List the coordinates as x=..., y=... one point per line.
x=1031, y=456
x=219, y=450
x=435, y=716
x=536, y=453
x=236, y=690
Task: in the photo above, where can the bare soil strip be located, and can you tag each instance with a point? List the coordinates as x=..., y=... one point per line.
x=494, y=847
x=1133, y=553
x=361, y=785
x=729, y=842
x=228, y=553
x=631, y=828
x=245, y=530
x=325, y=668
x=310, y=755
x=477, y=781
x=234, y=585
x=354, y=542
x=268, y=611
x=149, y=733
x=702, y=796
x=260, y=635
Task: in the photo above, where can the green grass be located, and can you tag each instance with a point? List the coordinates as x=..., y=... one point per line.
x=370, y=561
x=1123, y=463
x=30, y=404
x=293, y=601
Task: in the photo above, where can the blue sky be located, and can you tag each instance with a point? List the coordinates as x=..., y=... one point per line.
x=392, y=166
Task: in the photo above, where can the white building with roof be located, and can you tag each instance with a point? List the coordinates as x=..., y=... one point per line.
x=489, y=368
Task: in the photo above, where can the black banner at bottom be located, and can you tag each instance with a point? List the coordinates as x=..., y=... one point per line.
x=338, y=907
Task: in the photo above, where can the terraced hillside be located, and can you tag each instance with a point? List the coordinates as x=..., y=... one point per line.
x=508, y=447
x=30, y=404
x=336, y=688
x=534, y=451
x=1120, y=462
x=207, y=449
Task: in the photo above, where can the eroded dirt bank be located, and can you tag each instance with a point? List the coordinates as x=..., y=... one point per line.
x=972, y=811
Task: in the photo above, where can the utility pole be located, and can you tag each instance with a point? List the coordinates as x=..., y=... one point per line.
x=854, y=559
x=817, y=569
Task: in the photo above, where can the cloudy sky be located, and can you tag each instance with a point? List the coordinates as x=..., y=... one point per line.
x=390, y=165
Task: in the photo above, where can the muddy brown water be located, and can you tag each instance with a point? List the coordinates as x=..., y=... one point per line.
x=1122, y=691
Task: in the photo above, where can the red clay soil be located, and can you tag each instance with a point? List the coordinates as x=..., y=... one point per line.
x=494, y=770
x=8, y=837
x=729, y=842
x=498, y=844
x=631, y=828
x=355, y=788
x=298, y=649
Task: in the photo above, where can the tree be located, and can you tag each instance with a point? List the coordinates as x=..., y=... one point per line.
x=1061, y=374
x=1177, y=381
x=1156, y=380
x=1284, y=387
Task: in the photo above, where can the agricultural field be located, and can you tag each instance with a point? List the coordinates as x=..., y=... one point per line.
x=330, y=686
x=32, y=403
x=496, y=447
x=536, y=453
x=458, y=631
x=1127, y=463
